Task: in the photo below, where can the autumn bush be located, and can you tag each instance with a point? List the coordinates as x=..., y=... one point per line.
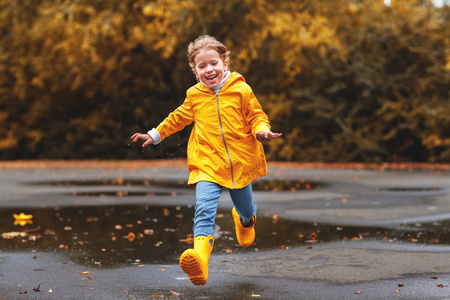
x=343, y=80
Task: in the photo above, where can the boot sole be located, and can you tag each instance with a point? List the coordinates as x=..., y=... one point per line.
x=190, y=264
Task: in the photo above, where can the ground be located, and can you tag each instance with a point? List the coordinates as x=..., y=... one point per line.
x=324, y=231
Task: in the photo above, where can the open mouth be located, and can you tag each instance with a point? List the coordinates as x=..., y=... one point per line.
x=211, y=78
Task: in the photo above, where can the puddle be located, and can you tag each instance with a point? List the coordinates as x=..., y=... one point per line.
x=115, y=182
x=115, y=236
x=414, y=190
x=122, y=193
x=258, y=185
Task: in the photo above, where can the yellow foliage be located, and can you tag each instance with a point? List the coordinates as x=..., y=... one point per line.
x=335, y=76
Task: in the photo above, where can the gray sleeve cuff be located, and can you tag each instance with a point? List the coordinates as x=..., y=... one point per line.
x=154, y=134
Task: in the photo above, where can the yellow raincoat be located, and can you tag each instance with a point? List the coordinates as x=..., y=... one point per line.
x=222, y=147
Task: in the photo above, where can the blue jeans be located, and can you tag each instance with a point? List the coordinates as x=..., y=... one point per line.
x=207, y=198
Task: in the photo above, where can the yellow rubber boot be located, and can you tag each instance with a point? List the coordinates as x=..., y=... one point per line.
x=194, y=262
x=245, y=235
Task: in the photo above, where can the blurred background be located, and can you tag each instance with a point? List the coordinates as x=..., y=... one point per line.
x=345, y=81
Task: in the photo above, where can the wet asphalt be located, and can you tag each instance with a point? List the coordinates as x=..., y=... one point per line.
x=414, y=263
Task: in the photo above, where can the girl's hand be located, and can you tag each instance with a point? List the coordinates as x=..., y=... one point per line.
x=265, y=136
x=139, y=136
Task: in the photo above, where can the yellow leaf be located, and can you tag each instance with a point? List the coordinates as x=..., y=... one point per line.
x=22, y=216
x=22, y=222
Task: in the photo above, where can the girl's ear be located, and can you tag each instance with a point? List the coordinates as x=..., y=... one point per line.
x=225, y=65
x=196, y=75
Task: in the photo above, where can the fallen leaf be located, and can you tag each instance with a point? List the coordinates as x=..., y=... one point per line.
x=157, y=296
x=255, y=295
x=276, y=217
x=433, y=277
x=189, y=240
x=87, y=278
x=397, y=291
x=85, y=273
x=149, y=232
x=21, y=293
x=131, y=236
x=22, y=222
x=22, y=216
x=13, y=234
x=50, y=291
x=357, y=292
x=175, y=293
x=401, y=285
x=36, y=289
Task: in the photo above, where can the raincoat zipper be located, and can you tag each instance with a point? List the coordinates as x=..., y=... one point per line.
x=224, y=141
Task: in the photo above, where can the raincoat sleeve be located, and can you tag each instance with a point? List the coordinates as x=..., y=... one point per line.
x=177, y=120
x=256, y=117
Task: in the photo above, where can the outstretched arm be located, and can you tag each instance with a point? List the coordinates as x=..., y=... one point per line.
x=265, y=136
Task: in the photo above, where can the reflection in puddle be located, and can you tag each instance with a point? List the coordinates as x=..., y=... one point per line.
x=258, y=185
x=115, y=236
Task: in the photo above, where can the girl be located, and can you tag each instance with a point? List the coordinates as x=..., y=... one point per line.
x=224, y=148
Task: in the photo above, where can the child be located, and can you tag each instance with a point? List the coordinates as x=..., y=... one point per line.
x=224, y=148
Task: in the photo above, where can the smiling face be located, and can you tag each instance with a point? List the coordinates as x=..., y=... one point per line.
x=209, y=67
